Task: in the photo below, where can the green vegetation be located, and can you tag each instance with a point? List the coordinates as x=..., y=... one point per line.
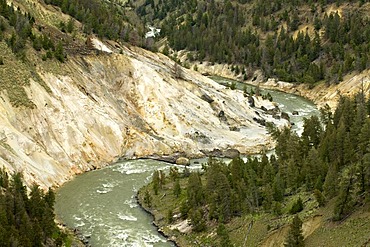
x=27, y=219
x=295, y=237
x=295, y=41
x=104, y=18
x=17, y=35
x=18, y=27
x=305, y=167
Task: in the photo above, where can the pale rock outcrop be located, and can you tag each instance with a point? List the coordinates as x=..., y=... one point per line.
x=182, y=161
x=128, y=105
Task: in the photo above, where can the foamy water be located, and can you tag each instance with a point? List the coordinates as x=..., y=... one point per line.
x=101, y=204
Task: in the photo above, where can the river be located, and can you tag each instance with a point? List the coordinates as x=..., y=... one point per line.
x=101, y=204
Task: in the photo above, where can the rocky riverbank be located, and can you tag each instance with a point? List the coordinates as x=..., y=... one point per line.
x=320, y=94
x=154, y=222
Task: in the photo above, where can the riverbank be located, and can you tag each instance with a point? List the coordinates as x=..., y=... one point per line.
x=262, y=227
x=258, y=228
x=154, y=222
x=320, y=94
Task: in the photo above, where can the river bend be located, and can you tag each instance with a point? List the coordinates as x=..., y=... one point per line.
x=101, y=204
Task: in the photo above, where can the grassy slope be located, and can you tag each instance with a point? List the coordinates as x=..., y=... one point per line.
x=267, y=229
x=14, y=76
x=17, y=70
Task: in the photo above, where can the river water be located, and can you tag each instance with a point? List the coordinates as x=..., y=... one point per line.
x=101, y=204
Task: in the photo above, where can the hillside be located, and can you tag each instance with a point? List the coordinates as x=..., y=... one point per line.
x=293, y=41
x=85, y=104
x=320, y=181
x=78, y=91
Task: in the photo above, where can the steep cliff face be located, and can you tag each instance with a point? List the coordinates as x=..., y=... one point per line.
x=136, y=104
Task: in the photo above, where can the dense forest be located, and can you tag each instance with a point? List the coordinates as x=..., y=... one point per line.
x=27, y=219
x=294, y=41
x=259, y=34
x=330, y=160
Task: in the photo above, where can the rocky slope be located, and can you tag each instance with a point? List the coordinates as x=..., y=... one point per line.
x=320, y=94
x=122, y=104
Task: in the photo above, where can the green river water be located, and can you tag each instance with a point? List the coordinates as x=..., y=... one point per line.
x=101, y=204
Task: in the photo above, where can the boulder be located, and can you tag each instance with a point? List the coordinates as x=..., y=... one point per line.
x=295, y=113
x=222, y=116
x=182, y=161
x=251, y=101
x=213, y=153
x=285, y=116
x=207, y=98
x=231, y=153
x=234, y=128
x=260, y=121
x=273, y=111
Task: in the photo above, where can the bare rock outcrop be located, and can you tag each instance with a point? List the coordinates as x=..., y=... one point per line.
x=111, y=105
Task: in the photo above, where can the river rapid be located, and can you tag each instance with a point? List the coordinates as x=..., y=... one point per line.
x=101, y=204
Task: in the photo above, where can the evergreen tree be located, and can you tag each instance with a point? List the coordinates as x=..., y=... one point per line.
x=319, y=198
x=295, y=237
x=278, y=188
x=224, y=236
x=59, y=52
x=331, y=181
x=195, y=190
x=169, y=216
x=156, y=182
x=297, y=206
x=366, y=174
x=344, y=203
x=148, y=199
x=197, y=220
x=25, y=220
x=177, y=188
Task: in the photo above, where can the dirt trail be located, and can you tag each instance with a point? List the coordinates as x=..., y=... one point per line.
x=311, y=225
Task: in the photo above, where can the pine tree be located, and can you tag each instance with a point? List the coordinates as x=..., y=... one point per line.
x=169, y=216
x=268, y=197
x=319, y=197
x=366, y=164
x=344, y=203
x=59, y=52
x=295, y=237
x=297, y=206
x=224, y=236
x=197, y=220
x=195, y=190
x=148, y=199
x=331, y=181
x=311, y=135
x=278, y=188
x=156, y=182
x=313, y=168
x=177, y=188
